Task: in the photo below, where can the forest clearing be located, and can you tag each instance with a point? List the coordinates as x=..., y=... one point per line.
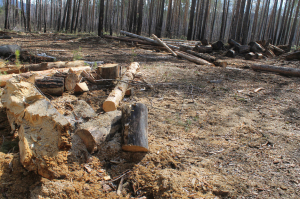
x=213, y=131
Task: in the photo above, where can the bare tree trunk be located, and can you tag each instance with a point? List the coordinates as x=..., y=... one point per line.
x=274, y=38
x=101, y=15
x=186, y=11
x=160, y=19
x=235, y=20
x=294, y=26
x=168, y=24
x=140, y=19
x=77, y=16
x=6, y=23
x=59, y=15
x=17, y=12
x=213, y=21
x=205, y=21
x=222, y=31
x=245, y=23
x=151, y=9
x=191, y=22
x=283, y=21
x=240, y=21
x=28, y=5
x=23, y=14
x=45, y=17
x=288, y=25
x=69, y=15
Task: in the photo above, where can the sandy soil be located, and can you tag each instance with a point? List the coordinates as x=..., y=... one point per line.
x=213, y=132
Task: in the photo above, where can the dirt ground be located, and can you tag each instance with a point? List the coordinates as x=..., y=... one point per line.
x=213, y=132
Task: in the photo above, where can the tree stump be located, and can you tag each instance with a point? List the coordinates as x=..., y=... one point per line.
x=135, y=128
x=109, y=71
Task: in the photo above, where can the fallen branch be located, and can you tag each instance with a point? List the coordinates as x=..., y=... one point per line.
x=164, y=44
x=280, y=70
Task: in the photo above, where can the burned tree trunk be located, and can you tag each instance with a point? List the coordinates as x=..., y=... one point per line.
x=135, y=128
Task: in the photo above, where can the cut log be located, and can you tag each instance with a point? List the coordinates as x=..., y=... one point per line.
x=51, y=85
x=250, y=56
x=164, y=44
x=4, y=78
x=115, y=97
x=286, y=48
x=204, y=42
x=8, y=50
x=243, y=49
x=71, y=80
x=259, y=56
x=81, y=87
x=193, y=58
x=6, y=37
x=230, y=53
x=42, y=66
x=234, y=43
x=280, y=70
x=146, y=39
x=88, y=77
x=185, y=48
x=269, y=53
x=207, y=57
x=203, y=49
x=221, y=63
x=109, y=71
x=135, y=128
x=276, y=50
x=44, y=136
x=98, y=130
x=219, y=45
x=292, y=55
x=256, y=48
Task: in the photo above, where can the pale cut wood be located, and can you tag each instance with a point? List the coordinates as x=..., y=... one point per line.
x=4, y=78
x=71, y=80
x=135, y=128
x=114, y=98
x=164, y=44
x=193, y=58
x=81, y=87
x=88, y=77
x=281, y=70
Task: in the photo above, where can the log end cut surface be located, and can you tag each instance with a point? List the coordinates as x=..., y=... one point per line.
x=109, y=106
x=132, y=148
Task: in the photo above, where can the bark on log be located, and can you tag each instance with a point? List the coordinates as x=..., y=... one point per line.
x=98, y=130
x=286, y=48
x=193, y=58
x=164, y=44
x=256, y=48
x=218, y=45
x=207, y=57
x=203, y=49
x=114, y=98
x=230, y=53
x=185, y=47
x=292, y=55
x=88, y=77
x=109, y=71
x=243, y=49
x=259, y=56
x=51, y=85
x=204, y=42
x=269, y=53
x=146, y=39
x=250, y=56
x=221, y=63
x=135, y=128
x=280, y=70
x=276, y=50
x=4, y=78
x=234, y=43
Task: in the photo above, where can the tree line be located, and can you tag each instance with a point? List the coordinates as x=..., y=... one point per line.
x=241, y=20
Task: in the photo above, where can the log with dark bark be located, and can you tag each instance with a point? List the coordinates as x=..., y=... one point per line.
x=193, y=58
x=204, y=42
x=109, y=71
x=219, y=45
x=269, y=53
x=276, y=50
x=99, y=129
x=286, y=48
x=250, y=56
x=243, y=49
x=205, y=56
x=51, y=85
x=256, y=47
x=280, y=70
x=292, y=55
x=203, y=49
x=230, y=53
x=135, y=128
x=115, y=97
x=25, y=56
x=233, y=43
x=185, y=48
